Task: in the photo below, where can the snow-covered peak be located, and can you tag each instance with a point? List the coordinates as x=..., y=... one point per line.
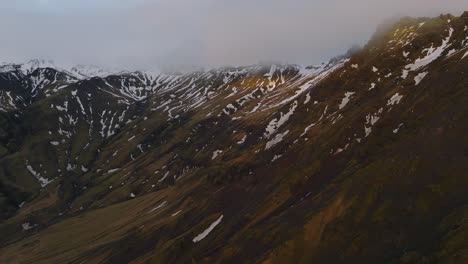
x=31, y=65
x=27, y=67
x=312, y=70
x=88, y=71
x=5, y=67
x=153, y=72
x=78, y=71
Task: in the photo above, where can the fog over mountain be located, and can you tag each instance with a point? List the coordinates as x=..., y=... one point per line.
x=202, y=33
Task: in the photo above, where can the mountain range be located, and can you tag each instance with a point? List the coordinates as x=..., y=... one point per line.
x=362, y=159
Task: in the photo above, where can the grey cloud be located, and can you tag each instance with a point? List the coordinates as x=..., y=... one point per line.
x=197, y=32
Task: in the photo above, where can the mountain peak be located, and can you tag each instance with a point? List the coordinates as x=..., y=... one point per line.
x=33, y=64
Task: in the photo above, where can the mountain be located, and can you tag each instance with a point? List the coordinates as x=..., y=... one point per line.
x=89, y=71
x=362, y=159
x=79, y=71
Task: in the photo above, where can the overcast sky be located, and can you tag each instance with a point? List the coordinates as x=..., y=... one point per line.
x=196, y=32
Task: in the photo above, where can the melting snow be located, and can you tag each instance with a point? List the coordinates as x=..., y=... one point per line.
x=234, y=92
x=207, y=231
x=307, y=98
x=345, y=100
x=164, y=177
x=42, y=181
x=277, y=139
x=255, y=108
x=397, y=129
x=418, y=78
x=242, y=140
x=216, y=153
x=70, y=167
x=404, y=74
x=228, y=107
x=371, y=120
x=81, y=105
x=464, y=55
x=275, y=124
x=310, y=126
x=140, y=148
x=307, y=129
x=276, y=157
x=157, y=207
x=112, y=171
x=176, y=213
x=372, y=86
x=26, y=226
x=432, y=54
x=367, y=130
x=452, y=51
x=395, y=99
x=311, y=83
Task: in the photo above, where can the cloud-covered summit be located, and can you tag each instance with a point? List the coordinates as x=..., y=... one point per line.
x=202, y=32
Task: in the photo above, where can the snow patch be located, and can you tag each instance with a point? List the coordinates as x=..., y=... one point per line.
x=276, y=123
x=277, y=139
x=207, y=231
x=464, y=55
x=395, y=99
x=346, y=99
x=418, y=78
x=307, y=98
x=432, y=54
x=27, y=226
x=216, y=154
x=371, y=120
x=112, y=170
x=176, y=213
x=157, y=207
x=404, y=74
x=451, y=52
x=276, y=157
x=397, y=129
x=42, y=181
x=240, y=142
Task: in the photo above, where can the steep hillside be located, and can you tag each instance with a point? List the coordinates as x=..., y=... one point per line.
x=363, y=159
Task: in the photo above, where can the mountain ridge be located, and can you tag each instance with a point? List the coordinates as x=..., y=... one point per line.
x=361, y=160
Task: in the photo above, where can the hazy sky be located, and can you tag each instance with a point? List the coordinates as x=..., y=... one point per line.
x=196, y=32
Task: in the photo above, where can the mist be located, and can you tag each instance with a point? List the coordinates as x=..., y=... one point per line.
x=208, y=33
